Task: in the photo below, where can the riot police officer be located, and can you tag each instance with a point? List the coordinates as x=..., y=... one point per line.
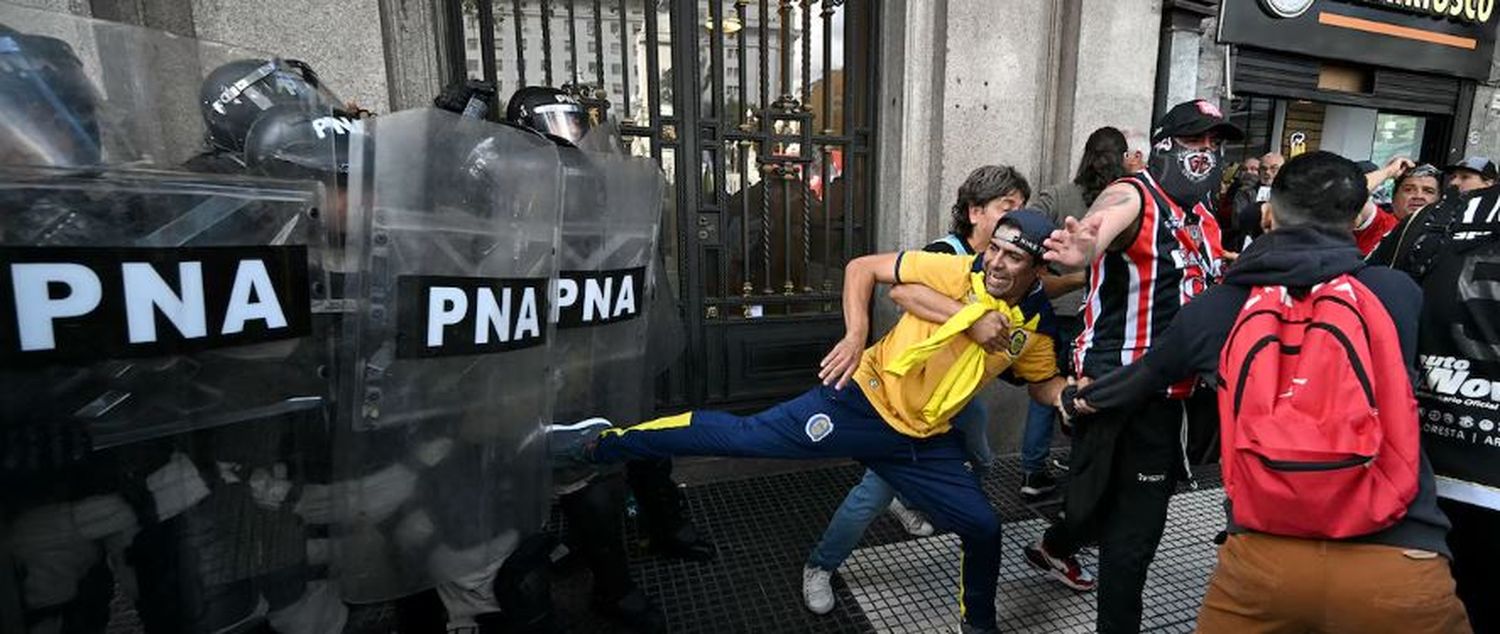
x=129, y=457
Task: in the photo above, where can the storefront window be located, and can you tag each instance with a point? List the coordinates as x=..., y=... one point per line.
x=1397, y=135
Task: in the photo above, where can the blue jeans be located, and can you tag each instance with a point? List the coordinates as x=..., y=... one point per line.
x=828, y=423
x=1037, y=439
x=868, y=499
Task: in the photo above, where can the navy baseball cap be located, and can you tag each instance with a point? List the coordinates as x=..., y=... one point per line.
x=1033, y=228
x=1480, y=165
x=1192, y=118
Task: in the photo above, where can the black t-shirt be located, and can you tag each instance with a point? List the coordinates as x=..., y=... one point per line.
x=1452, y=249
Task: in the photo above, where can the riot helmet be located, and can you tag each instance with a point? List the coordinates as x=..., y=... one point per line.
x=550, y=111
x=49, y=110
x=290, y=142
x=235, y=95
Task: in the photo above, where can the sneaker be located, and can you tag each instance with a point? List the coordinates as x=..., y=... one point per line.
x=1066, y=570
x=1037, y=484
x=817, y=592
x=571, y=444
x=912, y=521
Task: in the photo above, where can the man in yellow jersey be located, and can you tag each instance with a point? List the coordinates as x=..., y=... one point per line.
x=910, y=383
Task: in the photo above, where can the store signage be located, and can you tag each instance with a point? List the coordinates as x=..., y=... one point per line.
x=1447, y=37
x=1474, y=11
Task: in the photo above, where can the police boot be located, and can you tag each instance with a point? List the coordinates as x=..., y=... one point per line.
x=633, y=610
x=663, y=518
x=523, y=591
x=595, y=531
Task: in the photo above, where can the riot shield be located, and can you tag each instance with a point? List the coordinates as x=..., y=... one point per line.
x=606, y=269
x=162, y=355
x=453, y=227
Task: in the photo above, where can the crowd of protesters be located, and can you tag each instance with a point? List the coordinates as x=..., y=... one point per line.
x=1116, y=296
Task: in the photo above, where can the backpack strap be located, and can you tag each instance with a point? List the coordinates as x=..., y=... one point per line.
x=958, y=245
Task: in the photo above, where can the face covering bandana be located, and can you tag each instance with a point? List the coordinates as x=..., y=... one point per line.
x=1187, y=175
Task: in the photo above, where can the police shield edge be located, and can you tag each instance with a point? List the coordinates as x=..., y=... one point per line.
x=606, y=260
x=453, y=229
x=165, y=357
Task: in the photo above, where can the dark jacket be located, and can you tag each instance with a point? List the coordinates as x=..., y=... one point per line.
x=1296, y=257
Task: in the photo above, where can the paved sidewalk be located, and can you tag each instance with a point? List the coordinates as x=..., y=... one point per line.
x=765, y=525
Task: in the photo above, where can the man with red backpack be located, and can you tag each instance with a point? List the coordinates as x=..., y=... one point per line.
x=1332, y=508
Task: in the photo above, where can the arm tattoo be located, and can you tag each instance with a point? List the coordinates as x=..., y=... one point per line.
x=1108, y=200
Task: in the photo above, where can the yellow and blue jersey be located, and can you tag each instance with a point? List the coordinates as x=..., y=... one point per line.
x=1030, y=357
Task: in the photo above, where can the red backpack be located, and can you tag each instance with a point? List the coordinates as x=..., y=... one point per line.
x=1318, y=420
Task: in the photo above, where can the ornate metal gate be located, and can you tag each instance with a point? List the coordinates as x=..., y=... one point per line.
x=762, y=115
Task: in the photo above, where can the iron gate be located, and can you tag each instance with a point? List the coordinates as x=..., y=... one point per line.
x=762, y=116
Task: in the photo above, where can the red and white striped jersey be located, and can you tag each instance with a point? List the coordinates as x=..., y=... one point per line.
x=1133, y=294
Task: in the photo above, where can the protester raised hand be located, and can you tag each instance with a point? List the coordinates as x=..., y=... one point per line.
x=1074, y=244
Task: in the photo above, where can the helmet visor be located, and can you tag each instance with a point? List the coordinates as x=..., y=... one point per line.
x=279, y=82
x=565, y=121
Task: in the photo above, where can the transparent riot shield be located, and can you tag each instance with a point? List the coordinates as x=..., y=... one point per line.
x=164, y=354
x=453, y=228
x=606, y=268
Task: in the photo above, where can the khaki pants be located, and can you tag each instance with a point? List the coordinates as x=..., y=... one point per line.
x=1265, y=583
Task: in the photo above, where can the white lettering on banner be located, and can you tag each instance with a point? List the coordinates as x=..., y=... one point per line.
x=567, y=295
x=1476, y=11
x=528, y=324
x=441, y=316
x=1449, y=376
x=491, y=317
x=449, y=305
x=625, y=301
x=146, y=292
x=252, y=278
x=37, y=310
x=589, y=298
x=91, y=303
x=446, y=306
x=338, y=125
x=596, y=299
x=1445, y=432
x=597, y=296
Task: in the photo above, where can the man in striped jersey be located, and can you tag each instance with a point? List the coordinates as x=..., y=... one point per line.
x=1151, y=244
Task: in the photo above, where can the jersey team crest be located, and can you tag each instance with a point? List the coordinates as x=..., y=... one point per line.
x=1017, y=342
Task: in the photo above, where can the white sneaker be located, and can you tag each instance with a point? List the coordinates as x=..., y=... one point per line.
x=913, y=521
x=816, y=591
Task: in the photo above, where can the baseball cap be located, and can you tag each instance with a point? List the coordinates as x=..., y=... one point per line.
x=1365, y=167
x=1033, y=228
x=1192, y=118
x=1480, y=165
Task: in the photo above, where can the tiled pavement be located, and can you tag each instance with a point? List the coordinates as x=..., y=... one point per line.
x=764, y=527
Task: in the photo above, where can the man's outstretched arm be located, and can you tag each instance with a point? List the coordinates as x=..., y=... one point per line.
x=860, y=277
x=1110, y=223
x=1189, y=346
